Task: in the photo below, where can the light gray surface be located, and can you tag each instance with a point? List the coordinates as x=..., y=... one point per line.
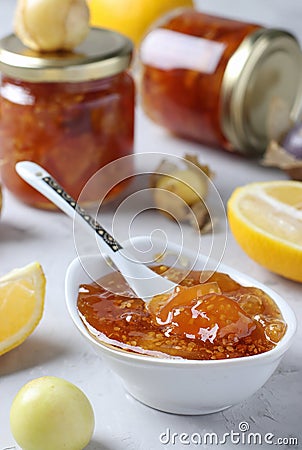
x=56, y=348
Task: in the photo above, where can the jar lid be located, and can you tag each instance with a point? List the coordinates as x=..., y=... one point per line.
x=103, y=53
x=266, y=66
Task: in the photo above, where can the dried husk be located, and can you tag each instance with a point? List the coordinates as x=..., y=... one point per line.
x=203, y=221
x=279, y=124
x=196, y=214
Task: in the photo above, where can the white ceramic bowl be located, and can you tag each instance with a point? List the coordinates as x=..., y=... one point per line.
x=182, y=386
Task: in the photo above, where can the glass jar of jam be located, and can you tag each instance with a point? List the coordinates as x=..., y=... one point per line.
x=213, y=80
x=70, y=112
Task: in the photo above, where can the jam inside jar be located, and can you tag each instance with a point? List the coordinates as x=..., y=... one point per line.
x=73, y=118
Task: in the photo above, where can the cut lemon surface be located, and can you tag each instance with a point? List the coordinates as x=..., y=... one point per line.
x=131, y=17
x=266, y=220
x=22, y=293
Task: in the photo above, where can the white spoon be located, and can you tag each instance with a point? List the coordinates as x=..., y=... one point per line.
x=143, y=281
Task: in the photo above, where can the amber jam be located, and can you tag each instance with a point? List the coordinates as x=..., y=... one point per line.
x=71, y=129
x=214, y=319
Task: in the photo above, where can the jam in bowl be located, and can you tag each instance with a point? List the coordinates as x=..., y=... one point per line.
x=199, y=350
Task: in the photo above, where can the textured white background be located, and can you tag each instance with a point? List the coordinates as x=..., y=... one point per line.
x=56, y=348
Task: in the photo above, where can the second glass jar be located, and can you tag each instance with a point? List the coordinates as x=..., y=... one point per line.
x=213, y=80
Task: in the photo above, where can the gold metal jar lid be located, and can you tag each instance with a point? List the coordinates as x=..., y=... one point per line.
x=103, y=53
x=266, y=66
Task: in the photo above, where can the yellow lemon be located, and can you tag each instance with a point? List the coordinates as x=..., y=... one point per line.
x=131, y=17
x=266, y=220
x=22, y=293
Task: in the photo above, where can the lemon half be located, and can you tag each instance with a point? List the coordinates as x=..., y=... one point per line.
x=22, y=293
x=266, y=220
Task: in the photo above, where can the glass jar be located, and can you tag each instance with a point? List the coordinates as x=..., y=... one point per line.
x=70, y=112
x=213, y=79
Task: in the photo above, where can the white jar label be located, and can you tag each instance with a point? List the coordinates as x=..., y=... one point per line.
x=166, y=50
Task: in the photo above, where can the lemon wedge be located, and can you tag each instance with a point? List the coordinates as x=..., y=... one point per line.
x=22, y=293
x=0, y=199
x=266, y=220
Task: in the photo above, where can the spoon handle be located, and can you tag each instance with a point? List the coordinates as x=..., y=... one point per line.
x=136, y=274
x=43, y=182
